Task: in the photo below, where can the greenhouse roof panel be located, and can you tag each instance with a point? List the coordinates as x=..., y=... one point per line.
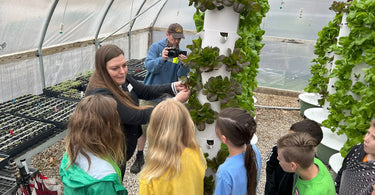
x=20, y=24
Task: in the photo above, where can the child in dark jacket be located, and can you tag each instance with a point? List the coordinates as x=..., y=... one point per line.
x=277, y=180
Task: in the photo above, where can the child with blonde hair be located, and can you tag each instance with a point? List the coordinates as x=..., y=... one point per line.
x=94, y=148
x=174, y=161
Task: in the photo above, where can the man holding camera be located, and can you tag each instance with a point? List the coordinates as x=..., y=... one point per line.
x=164, y=65
x=164, y=58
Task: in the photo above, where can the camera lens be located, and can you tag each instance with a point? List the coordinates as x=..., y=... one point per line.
x=172, y=53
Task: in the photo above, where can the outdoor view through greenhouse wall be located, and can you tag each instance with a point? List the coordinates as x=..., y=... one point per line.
x=45, y=42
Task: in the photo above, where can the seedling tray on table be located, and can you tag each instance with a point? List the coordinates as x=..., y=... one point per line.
x=63, y=87
x=19, y=103
x=72, y=95
x=46, y=109
x=18, y=134
x=136, y=68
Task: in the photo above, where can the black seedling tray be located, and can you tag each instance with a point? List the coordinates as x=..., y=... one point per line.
x=136, y=68
x=72, y=95
x=41, y=108
x=46, y=109
x=18, y=134
x=64, y=87
x=19, y=103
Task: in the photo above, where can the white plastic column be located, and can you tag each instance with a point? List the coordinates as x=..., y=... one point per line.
x=332, y=140
x=344, y=31
x=316, y=114
x=220, y=30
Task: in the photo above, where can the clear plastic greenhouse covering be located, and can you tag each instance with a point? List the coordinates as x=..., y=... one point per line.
x=69, y=41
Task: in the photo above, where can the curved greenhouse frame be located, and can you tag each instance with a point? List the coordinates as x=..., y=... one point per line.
x=46, y=42
x=289, y=47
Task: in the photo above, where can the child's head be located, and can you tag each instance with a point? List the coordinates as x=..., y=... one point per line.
x=369, y=141
x=171, y=126
x=95, y=127
x=296, y=150
x=170, y=130
x=237, y=125
x=308, y=126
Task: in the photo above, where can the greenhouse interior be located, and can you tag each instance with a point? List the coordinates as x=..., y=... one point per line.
x=288, y=59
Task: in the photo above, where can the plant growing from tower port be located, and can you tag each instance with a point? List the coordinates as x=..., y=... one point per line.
x=214, y=164
x=324, y=47
x=239, y=6
x=204, y=59
x=201, y=114
x=235, y=61
x=222, y=90
x=243, y=64
x=352, y=103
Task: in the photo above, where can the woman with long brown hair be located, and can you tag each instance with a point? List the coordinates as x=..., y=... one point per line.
x=110, y=78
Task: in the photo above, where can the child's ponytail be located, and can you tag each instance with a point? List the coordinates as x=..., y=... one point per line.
x=251, y=169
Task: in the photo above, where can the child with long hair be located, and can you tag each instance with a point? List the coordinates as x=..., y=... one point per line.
x=94, y=148
x=240, y=172
x=174, y=162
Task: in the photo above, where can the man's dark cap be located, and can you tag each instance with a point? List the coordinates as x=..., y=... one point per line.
x=176, y=31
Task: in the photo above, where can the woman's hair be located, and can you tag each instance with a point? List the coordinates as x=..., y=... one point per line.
x=298, y=147
x=101, y=78
x=239, y=126
x=170, y=130
x=95, y=127
x=373, y=123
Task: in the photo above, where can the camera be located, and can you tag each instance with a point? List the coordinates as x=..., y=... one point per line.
x=175, y=52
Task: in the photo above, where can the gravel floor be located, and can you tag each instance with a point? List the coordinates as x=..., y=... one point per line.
x=272, y=124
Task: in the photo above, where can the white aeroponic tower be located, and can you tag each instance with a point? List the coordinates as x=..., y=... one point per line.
x=219, y=30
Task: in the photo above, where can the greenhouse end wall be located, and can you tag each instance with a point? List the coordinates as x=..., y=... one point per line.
x=23, y=76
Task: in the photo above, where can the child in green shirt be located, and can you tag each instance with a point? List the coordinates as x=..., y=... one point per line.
x=296, y=153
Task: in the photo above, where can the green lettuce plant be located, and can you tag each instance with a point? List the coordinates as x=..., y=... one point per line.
x=201, y=114
x=351, y=106
x=242, y=64
x=223, y=90
x=325, y=44
x=239, y=6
